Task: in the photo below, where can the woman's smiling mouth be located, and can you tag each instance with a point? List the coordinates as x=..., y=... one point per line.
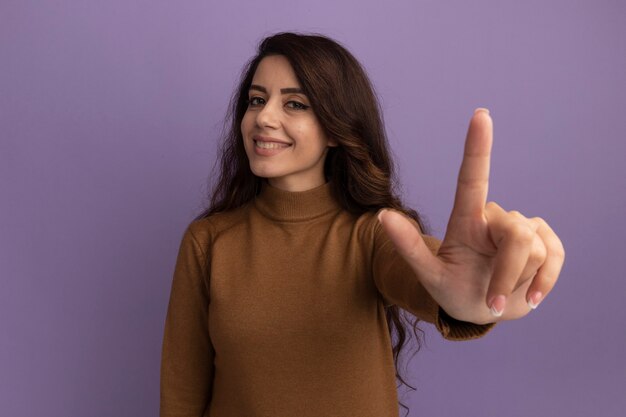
x=269, y=147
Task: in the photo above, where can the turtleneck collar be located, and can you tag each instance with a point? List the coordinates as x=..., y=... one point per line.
x=295, y=206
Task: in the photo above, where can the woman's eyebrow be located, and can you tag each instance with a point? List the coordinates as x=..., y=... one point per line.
x=291, y=90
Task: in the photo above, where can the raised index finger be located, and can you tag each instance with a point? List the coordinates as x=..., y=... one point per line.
x=473, y=181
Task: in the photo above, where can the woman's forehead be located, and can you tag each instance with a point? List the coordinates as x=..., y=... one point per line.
x=275, y=71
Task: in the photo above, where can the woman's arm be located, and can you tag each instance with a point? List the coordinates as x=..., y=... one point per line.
x=187, y=355
x=399, y=285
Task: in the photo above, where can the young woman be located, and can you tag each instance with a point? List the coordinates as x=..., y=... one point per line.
x=287, y=289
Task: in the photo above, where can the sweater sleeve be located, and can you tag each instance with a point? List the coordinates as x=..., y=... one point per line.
x=398, y=285
x=187, y=353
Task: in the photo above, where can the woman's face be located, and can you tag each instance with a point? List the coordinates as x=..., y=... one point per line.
x=283, y=139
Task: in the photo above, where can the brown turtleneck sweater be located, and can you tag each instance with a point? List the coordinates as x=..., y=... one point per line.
x=286, y=317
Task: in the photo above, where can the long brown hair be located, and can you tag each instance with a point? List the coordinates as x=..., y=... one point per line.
x=344, y=101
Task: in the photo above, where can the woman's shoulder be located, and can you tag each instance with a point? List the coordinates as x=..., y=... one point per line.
x=368, y=218
x=208, y=228
x=367, y=225
x=371, y=227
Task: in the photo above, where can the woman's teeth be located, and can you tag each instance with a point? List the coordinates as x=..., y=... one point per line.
x=270, y=145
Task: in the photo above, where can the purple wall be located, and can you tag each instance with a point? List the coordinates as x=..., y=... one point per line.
x=108, y=116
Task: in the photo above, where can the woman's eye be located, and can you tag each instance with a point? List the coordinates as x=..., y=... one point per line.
x=255, y=101
x=297, y=105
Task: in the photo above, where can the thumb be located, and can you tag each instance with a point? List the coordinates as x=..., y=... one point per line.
x=405, y=235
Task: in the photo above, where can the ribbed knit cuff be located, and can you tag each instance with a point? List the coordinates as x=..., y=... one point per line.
x=453, y=329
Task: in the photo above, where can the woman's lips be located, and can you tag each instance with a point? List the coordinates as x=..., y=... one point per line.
x=269, y=148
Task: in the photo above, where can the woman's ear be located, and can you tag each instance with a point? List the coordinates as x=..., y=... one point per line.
x=332, y=142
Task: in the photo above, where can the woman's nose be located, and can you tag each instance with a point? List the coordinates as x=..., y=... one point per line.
x=268, y=116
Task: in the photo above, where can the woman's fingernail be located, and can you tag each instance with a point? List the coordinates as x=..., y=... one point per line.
x=481, y=109
x=534, y=299
x=497, y=305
